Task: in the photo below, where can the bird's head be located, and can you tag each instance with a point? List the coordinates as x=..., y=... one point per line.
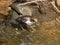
x=30, y=20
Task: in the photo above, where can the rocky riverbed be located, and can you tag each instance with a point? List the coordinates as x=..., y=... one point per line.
x=47, y=32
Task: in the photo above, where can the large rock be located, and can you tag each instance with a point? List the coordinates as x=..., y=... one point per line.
x=24, y=10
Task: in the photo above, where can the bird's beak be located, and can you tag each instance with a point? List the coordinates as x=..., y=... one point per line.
x=34, y=19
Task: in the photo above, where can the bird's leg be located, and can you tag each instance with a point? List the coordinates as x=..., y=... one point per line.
x=22, y=28
x=33, y=30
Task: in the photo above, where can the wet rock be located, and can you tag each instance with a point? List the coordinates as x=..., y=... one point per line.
x=24, y=10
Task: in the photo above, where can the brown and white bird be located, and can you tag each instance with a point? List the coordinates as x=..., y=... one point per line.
x=28, y=20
